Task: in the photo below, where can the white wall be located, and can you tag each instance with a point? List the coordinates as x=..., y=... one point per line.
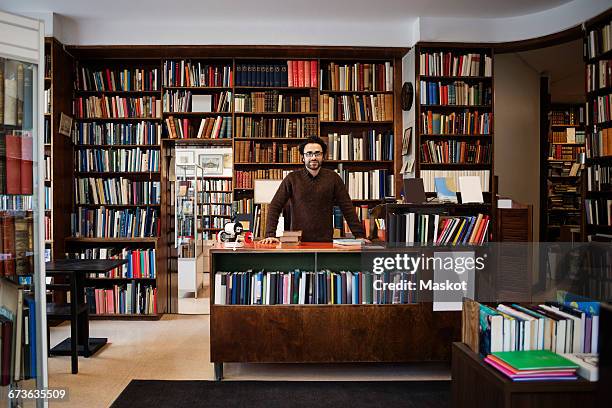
x=517, y=132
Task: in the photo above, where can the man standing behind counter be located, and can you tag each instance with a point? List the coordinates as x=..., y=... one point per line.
x=313, y=192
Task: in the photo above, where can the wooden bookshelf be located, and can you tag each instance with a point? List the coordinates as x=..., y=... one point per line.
x=437, y=104
x=122, y=126
x=598, y=131
x=58, y=148
x=560, y=204
x=116, y=57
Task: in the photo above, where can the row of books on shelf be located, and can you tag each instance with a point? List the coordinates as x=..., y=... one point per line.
x=117, y=160
x=107, y=79
x=185, y=73
x=140, y=261
x=457, y=93
x=108, y=223
x=564, y=169
x=216, y=185
x=206, y=197
x=362, y=108
x=453, y=151
x=16, y=94
x=599, y=75
x=48, y=228
x=366, y=145
x=17, y=244
x=277, y=127
x=360, y=77
x=455, y=64
x=186, y=101
x=311, y=288
x=599, y=143
x=94, y=133
x=437, y=229
x=273, y=101
x=566, y=200
x=271, y=152
x=452, y=177
x=244, y=179
x=600, y=109
x=16, y=162
x=598, y=211
x=116, y=191
x=260, y=219
x=599, y=41
x=48, y=65
x=569, y=135
x=48, y=168
x=569, y=116
x=16, y=203
x=48, y=198
x=211, y=210
x=561, y=327
x=561, y=152
x=213, y=222
x=47, y=131
x=47, y=98
x=219, y=127
x=17, y=334
x=599, y=178
x=131, y=298
x=116, y=107
x=289, y=74
x=456, y=123
x=368, y=185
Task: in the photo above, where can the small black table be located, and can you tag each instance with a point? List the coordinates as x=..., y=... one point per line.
x=75, y=270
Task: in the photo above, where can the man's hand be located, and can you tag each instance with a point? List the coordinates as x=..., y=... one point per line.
x=269, y=241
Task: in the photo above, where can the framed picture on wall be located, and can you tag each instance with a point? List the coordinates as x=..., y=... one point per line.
x=212, y=164
x=185, y=157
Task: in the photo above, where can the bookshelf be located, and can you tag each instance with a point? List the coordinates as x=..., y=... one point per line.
x=598, y=192
x=117, y=160
x=564, y=152
x=454, y=110
x=57, y=147
x=170, y=106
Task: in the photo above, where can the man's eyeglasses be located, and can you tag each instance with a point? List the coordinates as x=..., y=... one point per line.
x=313, y=154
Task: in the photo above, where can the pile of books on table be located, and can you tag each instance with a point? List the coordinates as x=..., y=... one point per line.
x=533, y=365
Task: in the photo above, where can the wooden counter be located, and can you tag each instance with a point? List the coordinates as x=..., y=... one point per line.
x=321, y=333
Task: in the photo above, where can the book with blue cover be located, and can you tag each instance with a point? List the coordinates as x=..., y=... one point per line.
x=443, y=191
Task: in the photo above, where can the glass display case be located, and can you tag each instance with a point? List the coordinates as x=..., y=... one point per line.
x=188, y=241
x=22, y=294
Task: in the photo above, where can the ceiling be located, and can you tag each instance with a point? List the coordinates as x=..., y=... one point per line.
x=361, y=10
x=564, y=66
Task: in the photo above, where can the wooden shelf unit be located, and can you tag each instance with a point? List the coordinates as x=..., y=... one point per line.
x=560, y=118
x=59, y=150
x=420, y=135
x=101, y=57
x=590, y=230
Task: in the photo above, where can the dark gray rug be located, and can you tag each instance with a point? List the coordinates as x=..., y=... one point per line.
x=295, y=394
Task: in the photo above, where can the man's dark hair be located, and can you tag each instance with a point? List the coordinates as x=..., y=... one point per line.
x=313, y=139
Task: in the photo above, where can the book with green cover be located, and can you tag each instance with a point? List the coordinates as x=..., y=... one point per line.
x=535, y=360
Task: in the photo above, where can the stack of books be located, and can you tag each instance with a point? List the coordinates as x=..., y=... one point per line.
x=291, y=237
x=534, y=365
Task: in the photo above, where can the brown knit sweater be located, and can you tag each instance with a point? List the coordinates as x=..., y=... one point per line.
x=312, y=200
